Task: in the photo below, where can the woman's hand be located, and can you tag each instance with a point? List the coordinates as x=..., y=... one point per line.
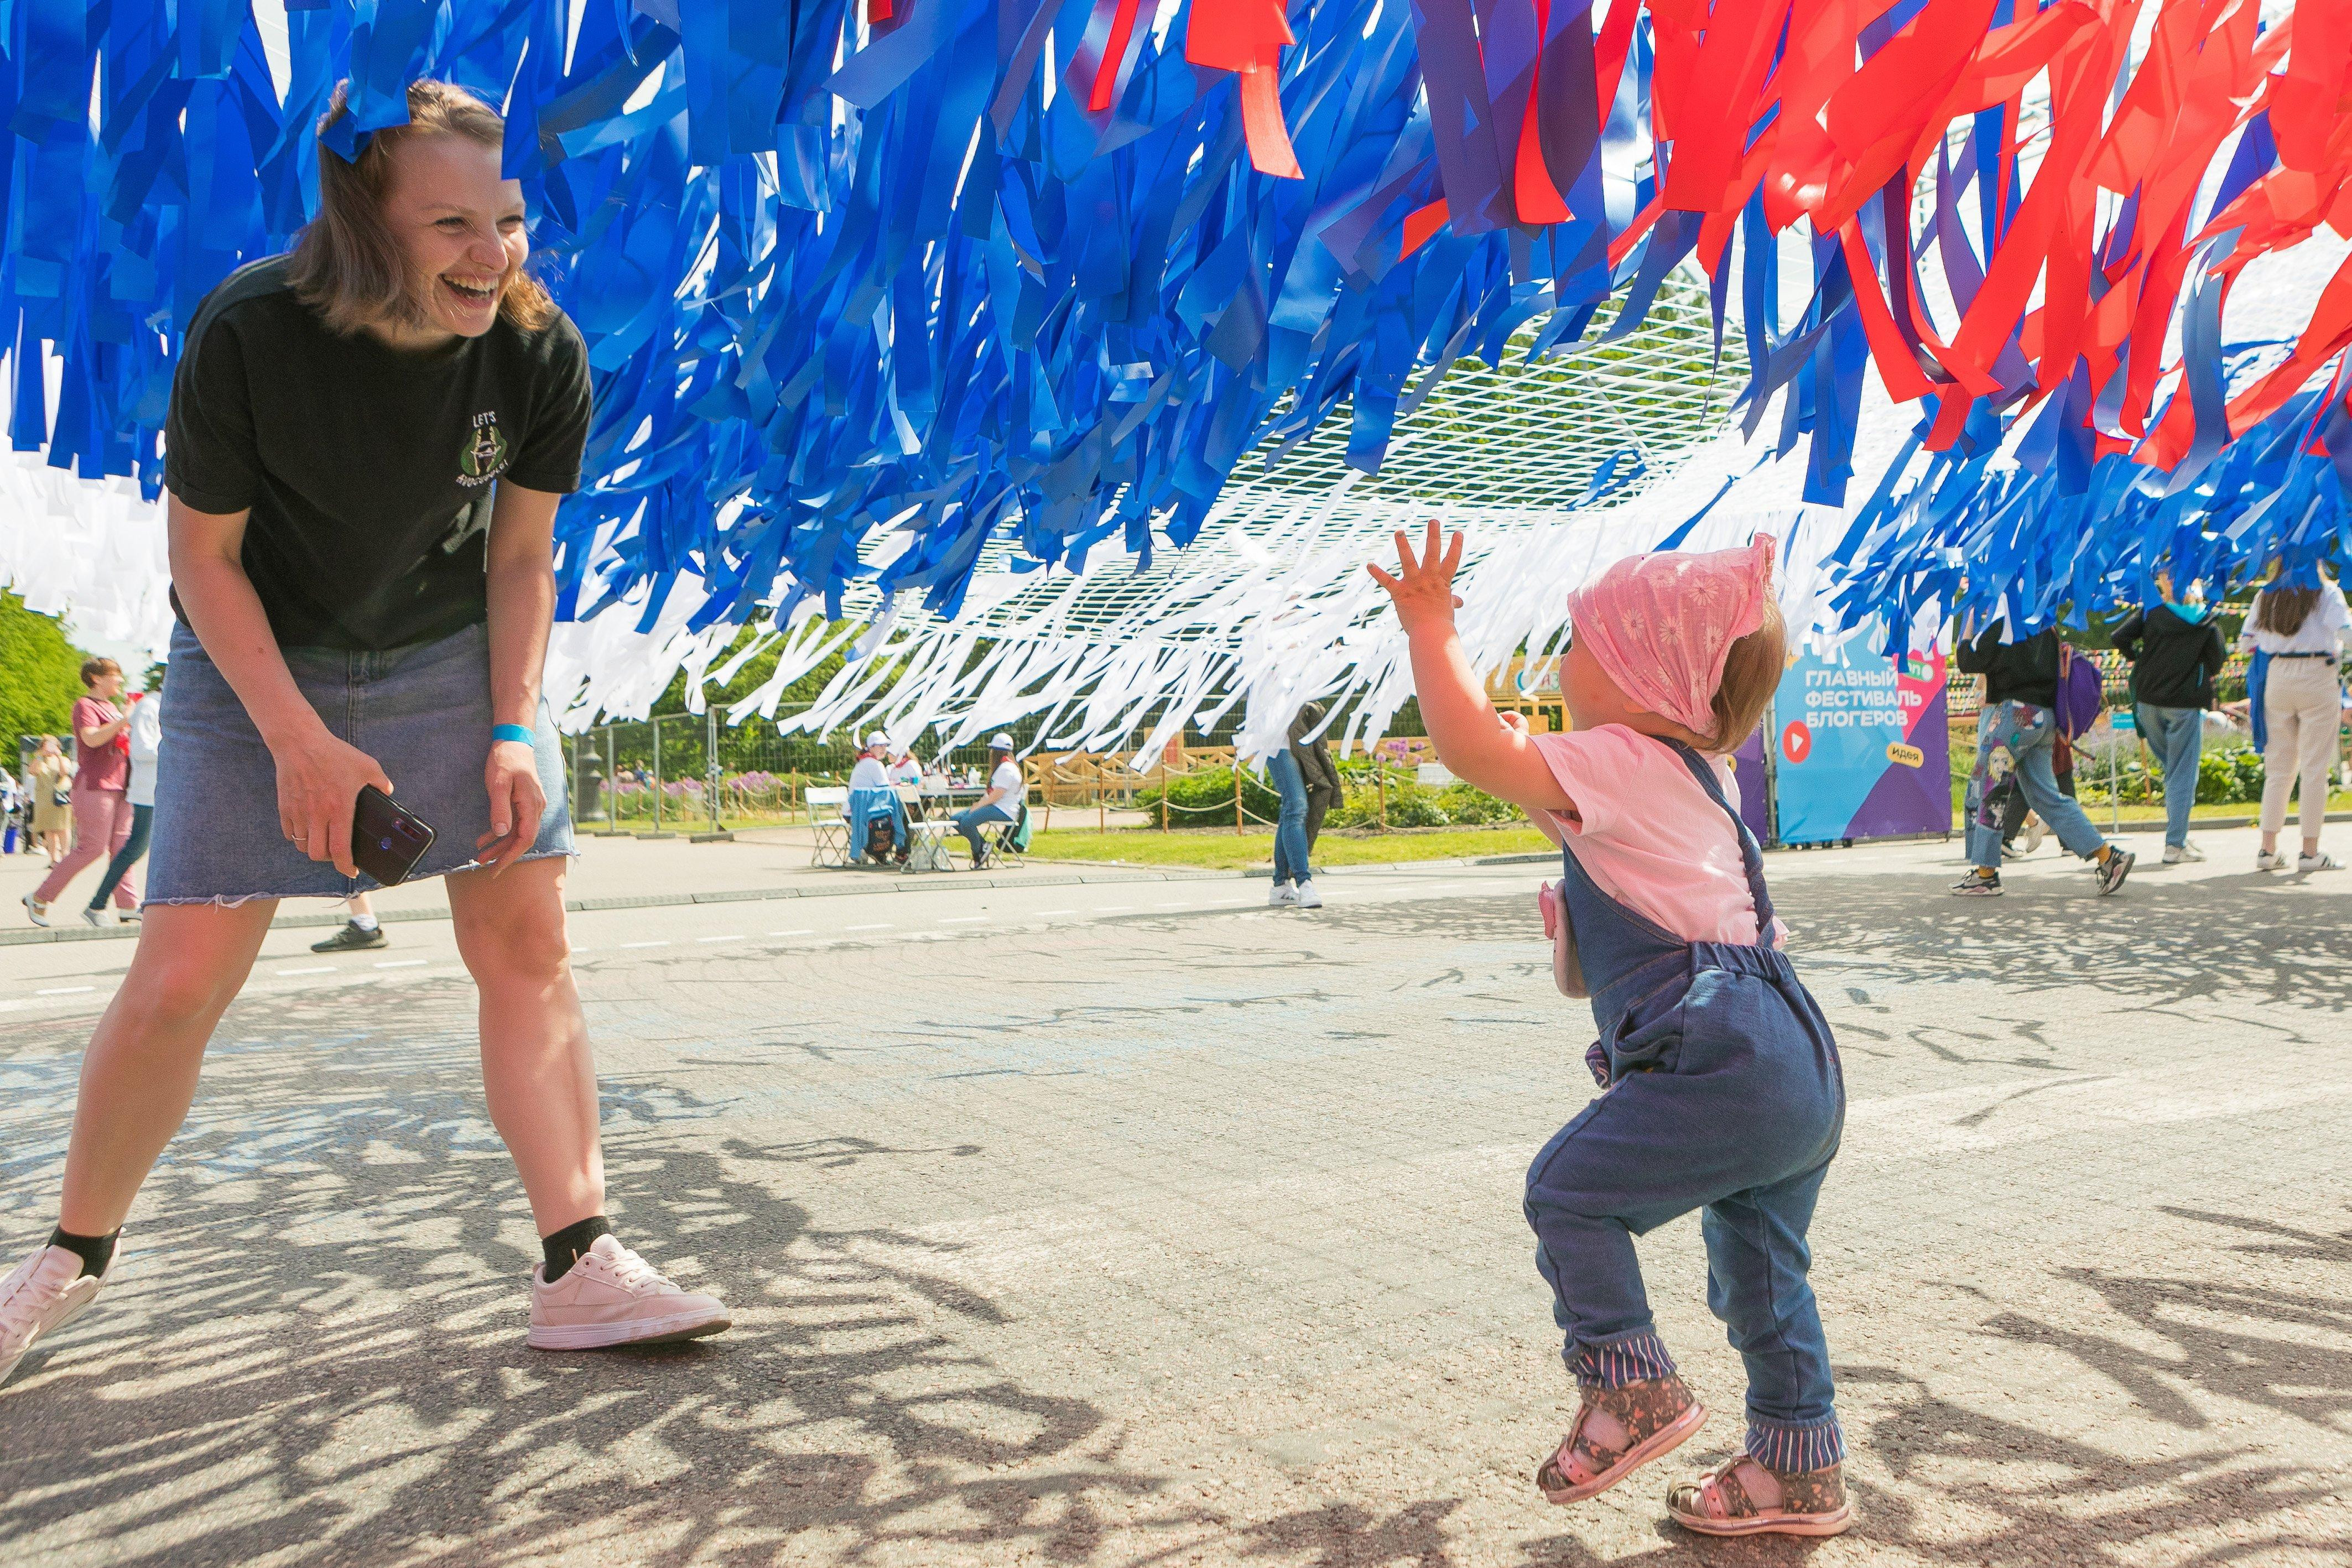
x=318, y=783
x=1423, y=589
x=517, y=803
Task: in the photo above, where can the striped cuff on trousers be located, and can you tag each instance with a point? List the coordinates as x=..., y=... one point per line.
x=1791, y=1449
x=1612, y=1364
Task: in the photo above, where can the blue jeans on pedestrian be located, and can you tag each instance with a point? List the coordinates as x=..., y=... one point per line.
x=142, y=822
x=968, y=823
x=2025, y=733
x=2177, y=735
x=1290, y=830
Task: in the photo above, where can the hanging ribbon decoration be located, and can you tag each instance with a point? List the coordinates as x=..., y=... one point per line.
x=863, y=291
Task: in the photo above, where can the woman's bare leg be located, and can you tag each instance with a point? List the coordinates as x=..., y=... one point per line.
x=138, y=1074
x=538, y=1072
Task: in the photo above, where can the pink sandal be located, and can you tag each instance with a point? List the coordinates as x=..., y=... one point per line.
x=1813, y=1502
x=1658, y=1414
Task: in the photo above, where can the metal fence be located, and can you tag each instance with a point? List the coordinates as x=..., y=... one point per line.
x=695, y=773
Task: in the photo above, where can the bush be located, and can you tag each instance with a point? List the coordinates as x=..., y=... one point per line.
x=40, y=675
x=1205, y=798
x=1470, y=806
x=2228, y=778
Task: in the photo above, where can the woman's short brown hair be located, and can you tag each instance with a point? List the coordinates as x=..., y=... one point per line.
x=1751, y=672
x=92, y=669
x=346, y=264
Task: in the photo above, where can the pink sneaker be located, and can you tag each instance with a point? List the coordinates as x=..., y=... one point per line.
x=45, y=1292
x=612, y=1296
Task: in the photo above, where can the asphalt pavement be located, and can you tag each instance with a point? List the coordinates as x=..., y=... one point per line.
x=1129, y=1222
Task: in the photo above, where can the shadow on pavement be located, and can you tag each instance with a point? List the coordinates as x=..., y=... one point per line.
x=2153, y=944
x=328, y=1363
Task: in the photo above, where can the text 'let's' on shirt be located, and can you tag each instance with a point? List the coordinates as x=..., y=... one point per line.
x=367, y=471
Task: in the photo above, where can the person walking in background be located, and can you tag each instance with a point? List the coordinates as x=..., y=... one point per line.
x=50, y=781
x=2176, y=654
x=1294, y=877
x=2017, y=731
x=101, y=816
x=146, y=737
x=2295, y=698
x=361, y=930
x=1325, y=792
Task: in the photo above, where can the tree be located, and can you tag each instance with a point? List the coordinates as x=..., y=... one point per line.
x=40, y=675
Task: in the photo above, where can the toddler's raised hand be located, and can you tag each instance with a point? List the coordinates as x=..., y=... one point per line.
x=1423, y=589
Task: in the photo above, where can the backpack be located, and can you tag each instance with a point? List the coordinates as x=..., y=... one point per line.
x=2082, y=692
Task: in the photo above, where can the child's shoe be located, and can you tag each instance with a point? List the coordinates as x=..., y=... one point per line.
x=1727, y=1501
x=1637, y=1422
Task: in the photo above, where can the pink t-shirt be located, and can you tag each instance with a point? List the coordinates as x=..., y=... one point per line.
x=1649, y=834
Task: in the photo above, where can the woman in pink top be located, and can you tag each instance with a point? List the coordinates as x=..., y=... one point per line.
x=101, y=775
x=1721, y=1086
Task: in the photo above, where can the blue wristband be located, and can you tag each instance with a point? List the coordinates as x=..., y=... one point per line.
x=513, y=732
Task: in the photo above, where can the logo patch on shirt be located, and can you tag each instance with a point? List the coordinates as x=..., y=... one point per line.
x=484, y=454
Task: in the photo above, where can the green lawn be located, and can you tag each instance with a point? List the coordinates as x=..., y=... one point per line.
x=1214, y=850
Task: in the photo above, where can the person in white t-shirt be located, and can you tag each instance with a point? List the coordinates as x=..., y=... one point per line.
x=1006, y=792
x=146, y=735
x=872, y=771
x=2300, y=623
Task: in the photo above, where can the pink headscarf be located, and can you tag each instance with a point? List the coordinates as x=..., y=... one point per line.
x=1661, y=624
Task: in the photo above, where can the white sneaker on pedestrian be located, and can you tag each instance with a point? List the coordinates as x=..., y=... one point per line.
x=42, y=1295
x=2186, y=849
x=2035, y=831
x=2269, y=860
x=36, y=909
x=1283, y=896
x=1307, y=897
x=612, y=1296
x=2314, y=863
x=97, y=917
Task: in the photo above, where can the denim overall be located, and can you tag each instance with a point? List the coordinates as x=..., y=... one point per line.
x=1722, y=1091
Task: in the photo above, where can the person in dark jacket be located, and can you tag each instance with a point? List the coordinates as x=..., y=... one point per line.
x=2176, y=654
x=2017, y=731
x=1316, y=768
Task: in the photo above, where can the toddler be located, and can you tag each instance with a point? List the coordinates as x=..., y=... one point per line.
x=1721, y=1088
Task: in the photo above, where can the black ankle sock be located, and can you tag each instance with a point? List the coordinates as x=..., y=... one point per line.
x=95, y=1252
x=564, y=1248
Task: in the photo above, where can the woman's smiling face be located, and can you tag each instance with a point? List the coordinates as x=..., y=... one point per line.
x=460, y=229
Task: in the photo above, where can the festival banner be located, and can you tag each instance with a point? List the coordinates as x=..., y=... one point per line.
x=1863, y=747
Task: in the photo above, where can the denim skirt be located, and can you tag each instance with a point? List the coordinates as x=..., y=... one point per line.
x=422, y=711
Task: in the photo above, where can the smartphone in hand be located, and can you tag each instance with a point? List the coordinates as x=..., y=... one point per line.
x=387, y=839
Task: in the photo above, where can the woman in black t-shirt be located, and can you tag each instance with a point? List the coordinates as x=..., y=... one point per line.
x=367, y=443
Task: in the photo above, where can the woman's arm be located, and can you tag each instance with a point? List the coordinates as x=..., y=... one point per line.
x=2126, y=636
x=522, y=609
x=99, y=734
x=318, y=776
x=1471, y=740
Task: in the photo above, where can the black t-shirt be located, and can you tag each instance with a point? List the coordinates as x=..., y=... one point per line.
x=368, y=470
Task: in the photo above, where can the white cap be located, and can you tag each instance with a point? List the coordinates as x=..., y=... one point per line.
x=1001, y=741
x=877, y=739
